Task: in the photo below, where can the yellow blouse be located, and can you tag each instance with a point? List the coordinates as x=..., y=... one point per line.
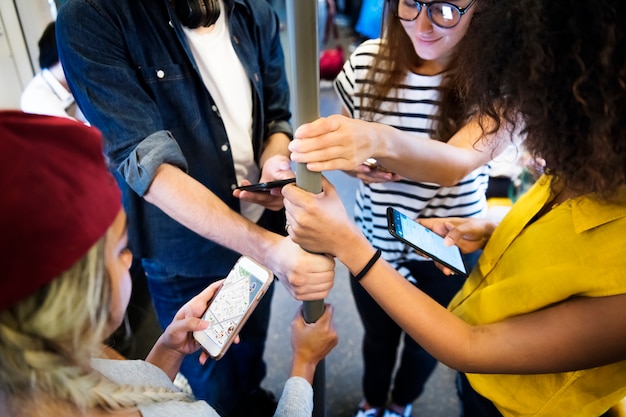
x=576, y=249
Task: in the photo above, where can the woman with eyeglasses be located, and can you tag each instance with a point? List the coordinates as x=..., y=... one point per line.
x=403, y=82
x=539, y=327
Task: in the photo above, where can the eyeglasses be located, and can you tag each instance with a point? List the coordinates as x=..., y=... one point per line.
x=442, y=14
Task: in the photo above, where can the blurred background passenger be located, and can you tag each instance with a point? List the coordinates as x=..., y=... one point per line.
x=48, y=92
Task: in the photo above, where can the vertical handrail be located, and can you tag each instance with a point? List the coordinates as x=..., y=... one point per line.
x=302, y=23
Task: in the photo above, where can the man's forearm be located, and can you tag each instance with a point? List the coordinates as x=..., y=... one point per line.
x=194, y=206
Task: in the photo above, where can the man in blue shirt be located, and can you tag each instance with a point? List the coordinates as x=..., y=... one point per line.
x=189, y=111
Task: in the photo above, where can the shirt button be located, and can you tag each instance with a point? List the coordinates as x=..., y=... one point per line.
x=256, y=77
x=160, y=74
x=233, y=186
x=225, y=147
x=214, y=107
x=236, y=40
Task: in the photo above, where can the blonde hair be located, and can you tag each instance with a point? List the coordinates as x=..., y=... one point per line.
x=48, y=339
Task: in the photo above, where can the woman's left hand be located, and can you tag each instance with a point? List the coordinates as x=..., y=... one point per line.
x=178, y=335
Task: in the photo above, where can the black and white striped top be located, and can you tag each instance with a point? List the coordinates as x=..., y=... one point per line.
x=410, y=108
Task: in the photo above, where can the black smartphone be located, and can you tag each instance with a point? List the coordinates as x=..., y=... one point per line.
x=424, y=241
x=266, y=186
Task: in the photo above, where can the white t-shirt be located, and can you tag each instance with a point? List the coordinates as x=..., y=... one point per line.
x=45, y=95
x=227, y=82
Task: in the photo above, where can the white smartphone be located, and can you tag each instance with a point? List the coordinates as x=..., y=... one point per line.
x=235, y=301
x=425, y=241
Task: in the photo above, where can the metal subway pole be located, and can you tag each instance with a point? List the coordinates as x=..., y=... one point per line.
x=303, y=43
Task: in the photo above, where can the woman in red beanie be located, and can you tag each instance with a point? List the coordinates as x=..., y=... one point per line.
x=65, y=286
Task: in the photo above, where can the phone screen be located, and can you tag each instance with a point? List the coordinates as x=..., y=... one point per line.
x=425, y=241
x=231, y=303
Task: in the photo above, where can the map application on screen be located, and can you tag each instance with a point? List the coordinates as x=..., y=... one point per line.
x=231, y=304
x=427, y=241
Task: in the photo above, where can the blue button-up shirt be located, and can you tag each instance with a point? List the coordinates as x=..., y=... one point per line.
x=133, y=74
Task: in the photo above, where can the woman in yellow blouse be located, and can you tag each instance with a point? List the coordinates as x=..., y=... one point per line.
x=539, y=329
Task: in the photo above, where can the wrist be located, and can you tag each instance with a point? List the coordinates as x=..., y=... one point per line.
x=355, y=250
x=491, y=227
x=382, y=148
x=163, y=352
x=166, y=358
x=366, y=269
x=265, y=248
x=303, y=369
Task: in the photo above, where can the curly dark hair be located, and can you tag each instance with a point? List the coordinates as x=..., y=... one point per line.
x=559, y=66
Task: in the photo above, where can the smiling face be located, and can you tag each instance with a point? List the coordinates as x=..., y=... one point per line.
x=433, y=44
x=117, y=258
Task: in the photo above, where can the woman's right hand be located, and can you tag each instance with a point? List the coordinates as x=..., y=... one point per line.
x=469, y=234
x=334, y=142
x=311, y=342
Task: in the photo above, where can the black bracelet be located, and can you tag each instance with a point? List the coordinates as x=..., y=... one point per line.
x=369, y=266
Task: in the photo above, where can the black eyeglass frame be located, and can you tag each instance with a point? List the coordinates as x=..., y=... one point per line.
x=422, y=4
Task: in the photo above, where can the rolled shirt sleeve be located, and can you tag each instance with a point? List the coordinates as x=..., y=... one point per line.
x=140, y=167
x=279, y=126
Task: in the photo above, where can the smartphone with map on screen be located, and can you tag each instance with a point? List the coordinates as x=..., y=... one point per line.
x=234, y=302
x=425, y=241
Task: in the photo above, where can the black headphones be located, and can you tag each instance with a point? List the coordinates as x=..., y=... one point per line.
x=196, y=13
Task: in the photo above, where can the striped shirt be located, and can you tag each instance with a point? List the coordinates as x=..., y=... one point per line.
x=411, y=106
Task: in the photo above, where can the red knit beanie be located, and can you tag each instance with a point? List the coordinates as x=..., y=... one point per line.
x=57, y=199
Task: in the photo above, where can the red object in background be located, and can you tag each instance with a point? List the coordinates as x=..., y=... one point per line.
x=331, y=63
x=331, y=59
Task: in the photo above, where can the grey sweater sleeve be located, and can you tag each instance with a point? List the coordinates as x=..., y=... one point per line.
x=297, y=399
x=143, y=374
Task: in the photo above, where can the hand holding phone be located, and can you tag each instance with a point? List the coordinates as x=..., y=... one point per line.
x=425, y=241
x=233, y=304
x=266, y=186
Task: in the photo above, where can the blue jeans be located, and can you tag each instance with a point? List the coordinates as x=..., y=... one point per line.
x=381, y=338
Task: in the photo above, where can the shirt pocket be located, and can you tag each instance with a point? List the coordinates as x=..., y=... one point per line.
x=174, y=89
